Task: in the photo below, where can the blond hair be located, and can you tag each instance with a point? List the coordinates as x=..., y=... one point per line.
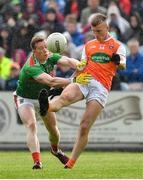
x=97, y=19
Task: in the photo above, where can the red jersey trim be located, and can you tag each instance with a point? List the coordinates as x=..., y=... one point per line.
x=31, y=63
x=15, y=100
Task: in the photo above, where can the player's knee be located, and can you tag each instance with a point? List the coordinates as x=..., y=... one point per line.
x=67, y=97
x=84, y=129
x=32, y=127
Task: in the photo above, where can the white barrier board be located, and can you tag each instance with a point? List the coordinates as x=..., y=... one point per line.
x=120, y=122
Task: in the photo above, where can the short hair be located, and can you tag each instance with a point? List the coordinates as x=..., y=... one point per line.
x=35, y=40
x=70, y=18
x=98, y=18
x=133, y=41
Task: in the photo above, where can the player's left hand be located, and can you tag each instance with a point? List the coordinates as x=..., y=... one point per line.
x=81, y=65
x=83, y=78
x=116, y=58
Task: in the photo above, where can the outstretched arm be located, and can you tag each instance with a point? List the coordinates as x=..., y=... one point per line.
x=52, y=81
x=70, y=62
x=73, y=63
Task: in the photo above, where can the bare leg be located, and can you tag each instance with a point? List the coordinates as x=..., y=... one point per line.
x=66, y=98
x=51, y=125
x=27, y=115
x=92, y=111
x=54, y=137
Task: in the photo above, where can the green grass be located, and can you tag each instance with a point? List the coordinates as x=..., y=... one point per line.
x=97, y=165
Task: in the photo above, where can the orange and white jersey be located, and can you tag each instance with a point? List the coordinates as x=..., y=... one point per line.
x=98, y=56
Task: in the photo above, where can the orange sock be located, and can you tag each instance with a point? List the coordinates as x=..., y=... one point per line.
x=70, y=163
x=36, y=156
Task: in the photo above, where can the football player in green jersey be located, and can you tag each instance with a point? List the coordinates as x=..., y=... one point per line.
x=34, y=76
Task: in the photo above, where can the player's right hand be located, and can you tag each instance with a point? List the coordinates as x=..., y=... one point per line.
x=81, y=65
x=83, y=78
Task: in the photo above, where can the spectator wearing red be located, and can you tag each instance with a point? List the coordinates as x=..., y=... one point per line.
x=125, y=7
x=71, y=7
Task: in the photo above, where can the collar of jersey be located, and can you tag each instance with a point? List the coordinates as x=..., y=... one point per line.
x=35, y=59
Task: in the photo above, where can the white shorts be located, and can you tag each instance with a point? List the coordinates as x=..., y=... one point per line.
x=20, y=101
x=94, y=91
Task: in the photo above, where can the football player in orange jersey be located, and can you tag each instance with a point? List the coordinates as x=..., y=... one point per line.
x=103, y=55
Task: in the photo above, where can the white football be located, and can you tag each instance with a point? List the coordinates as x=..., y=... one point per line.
x=56, y=42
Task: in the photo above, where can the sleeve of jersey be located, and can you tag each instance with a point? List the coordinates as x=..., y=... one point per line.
x=56, y=57
x=83, y=55
x=34, y=71
x=122, y=51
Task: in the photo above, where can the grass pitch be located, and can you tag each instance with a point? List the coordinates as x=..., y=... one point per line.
x=95, y=165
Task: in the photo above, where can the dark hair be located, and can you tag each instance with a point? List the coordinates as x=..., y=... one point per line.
x=137, y=16
x=35, y=40
x=51, y=10
x=97, y=19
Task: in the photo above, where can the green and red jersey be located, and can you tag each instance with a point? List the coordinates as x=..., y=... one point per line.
x=28, y=87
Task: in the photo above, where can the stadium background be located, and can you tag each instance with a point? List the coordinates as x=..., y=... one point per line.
x=120, y=125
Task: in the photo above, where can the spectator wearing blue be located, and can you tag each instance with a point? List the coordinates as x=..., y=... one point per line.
x=54, y=4
x=133, y=75
x=11, y=82
x=46, y=4
x=71, y=26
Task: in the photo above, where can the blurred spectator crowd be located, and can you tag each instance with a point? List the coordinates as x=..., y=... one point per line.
x=21, y=19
